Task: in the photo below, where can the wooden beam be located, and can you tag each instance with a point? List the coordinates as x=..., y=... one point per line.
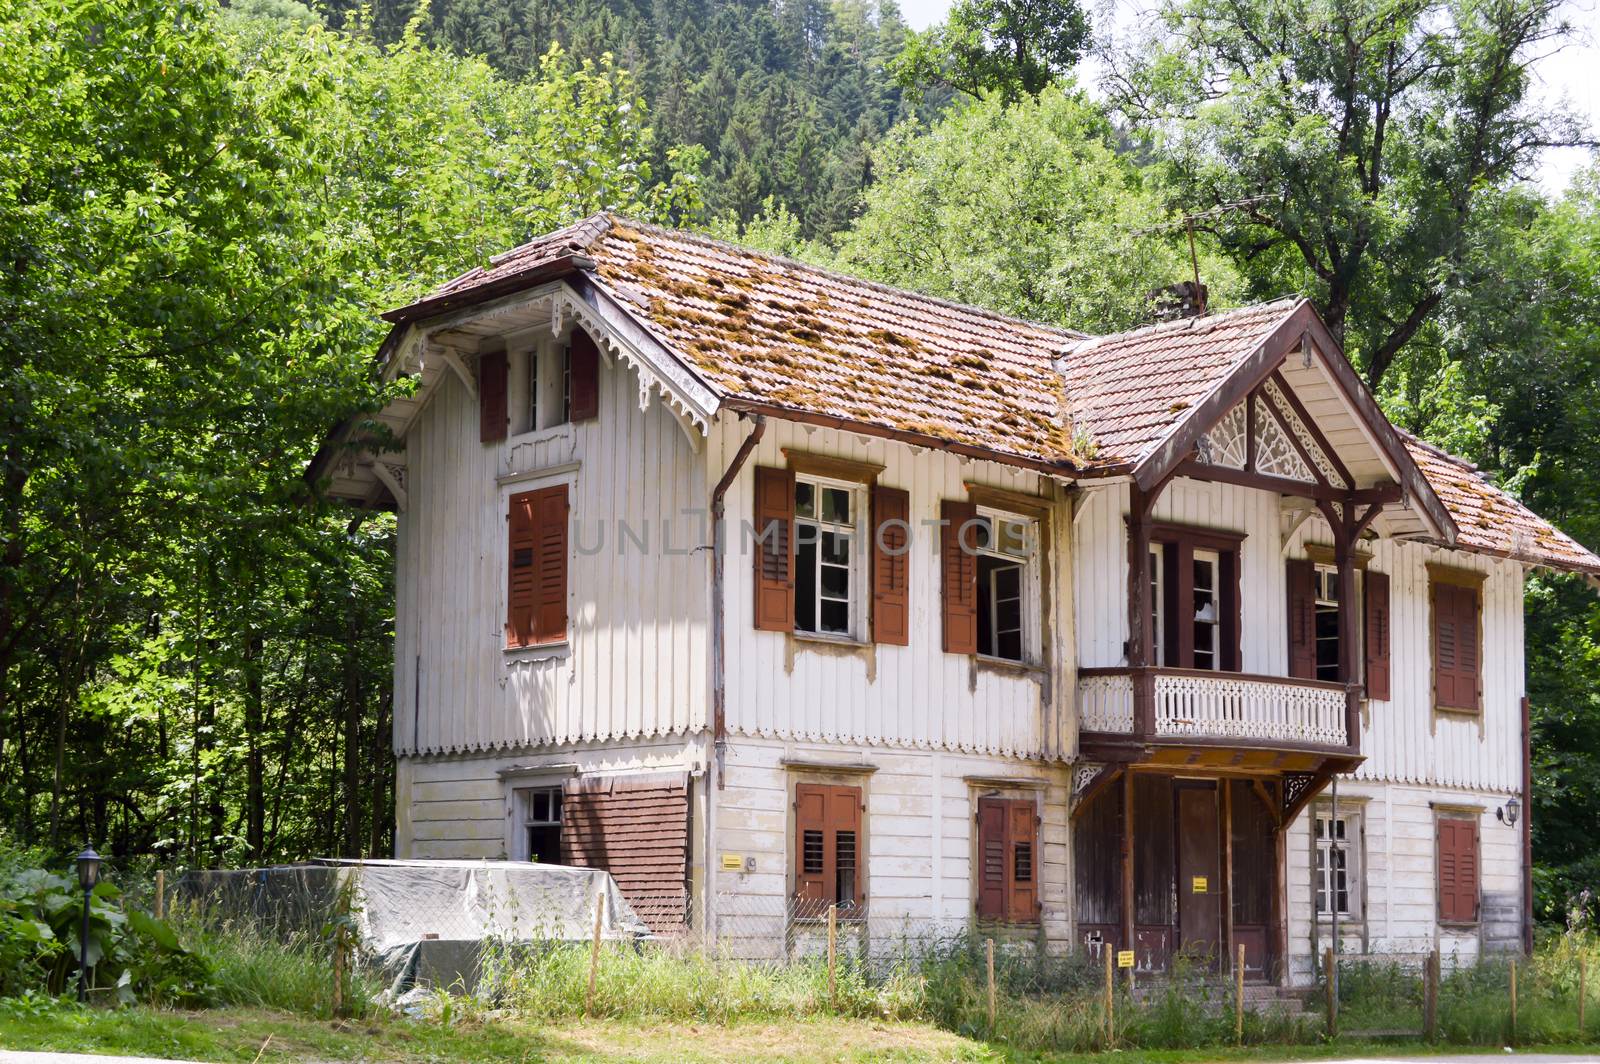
x=1300, y=489
x=450, y=357
x=1311, y=426
x=1103, y=780
x=1127, y=861
x=1294, y=441
x=1226, y=787
x=1260, y=790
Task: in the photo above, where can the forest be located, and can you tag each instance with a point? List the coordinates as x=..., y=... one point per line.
x=205, y=208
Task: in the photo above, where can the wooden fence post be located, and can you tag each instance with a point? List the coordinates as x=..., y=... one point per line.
x=161, y=893
x=989, y=950
x=594, y=949
x=1430, y=996
x=1513, y=1001
x=1331, y=974
x=833, y=939
x=1111, y=1029
x=1238, y=998
x=340, y=938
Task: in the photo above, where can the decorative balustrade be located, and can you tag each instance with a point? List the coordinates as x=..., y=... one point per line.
x=1187, y=704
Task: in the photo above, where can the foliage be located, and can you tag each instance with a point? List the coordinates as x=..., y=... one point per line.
x=1009, y=47
x=1026, y=208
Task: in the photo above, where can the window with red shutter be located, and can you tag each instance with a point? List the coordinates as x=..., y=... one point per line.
x=536, y=598
x=493, y=413
x=891, y=539
x=584, y=382
x=827, y=850
x=1375, y=634
x=1456, y=655
x=1301, y=576
x=774, y=549
x=1007, y=887
x=1457, y=861
x=959, y=576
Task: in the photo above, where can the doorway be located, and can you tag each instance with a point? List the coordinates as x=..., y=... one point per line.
x=1199, y=883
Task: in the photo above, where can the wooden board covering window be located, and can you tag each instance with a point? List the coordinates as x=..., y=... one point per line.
x=493, y=410
x=828, y=866
x=584, y=366
x=1458, y=869
x=959, y=576
x=636, y=828
x=1456, y=653
x=774, y=549
x=1375, y=634
x=536, y=565
x=1302, y=581
x=891, y=541
x=1008, y=860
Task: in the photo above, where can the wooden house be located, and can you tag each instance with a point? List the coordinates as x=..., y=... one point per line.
x=770, y=589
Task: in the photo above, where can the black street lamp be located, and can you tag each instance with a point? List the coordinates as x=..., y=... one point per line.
x=88, y=876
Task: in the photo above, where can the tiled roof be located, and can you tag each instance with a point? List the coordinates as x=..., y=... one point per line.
x=1490, y=521
x=788, y=336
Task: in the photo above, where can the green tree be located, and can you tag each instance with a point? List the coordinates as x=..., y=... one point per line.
x=1012, y=47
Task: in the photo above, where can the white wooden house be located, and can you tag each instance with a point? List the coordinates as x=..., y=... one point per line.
x=1003, y=623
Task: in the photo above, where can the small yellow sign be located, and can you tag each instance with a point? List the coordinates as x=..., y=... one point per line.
x=1201, y=885
x=1124, y=958
x=732, y=862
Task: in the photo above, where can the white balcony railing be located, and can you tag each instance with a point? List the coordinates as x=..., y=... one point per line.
x=1213, y=706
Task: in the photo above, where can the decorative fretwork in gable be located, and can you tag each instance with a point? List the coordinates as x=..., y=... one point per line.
x=1302, y=432
x=1295, y=786
x=1083, y=775
x=1228, y=442
x=1276, y=453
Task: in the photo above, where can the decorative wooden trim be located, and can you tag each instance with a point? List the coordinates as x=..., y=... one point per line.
x=1324, y=555
x=1205, y=538
x=1018, y=502
x=527, y=772
x=1012, y=783
x=1457, y=809
x=1311, y=426
x=1448, y=574
x=831, y=466
x=1293, y=437
x=858, y=768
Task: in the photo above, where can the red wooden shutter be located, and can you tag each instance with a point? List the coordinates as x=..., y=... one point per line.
x=1022, y=874
x=827, y=835
x=848, y=878
x=1375, y=634
x=992, y=847
x=957, y=542
x=891, y=540
x=537, y=564
x=1458, y=870
x=774, y=549
x=492, y=415
x=584, y=402
x=1455, y=646
x=1229, y=605
x=1302, y=619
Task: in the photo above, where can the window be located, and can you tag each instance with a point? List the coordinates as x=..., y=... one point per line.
x=1007, y=889
x=1158, y=646
x=826, y=557
x=1207, y=609
x=1194, y=587
x=1457, y=839
x=1455, y=603
x=1003, y=545
x=536, y=600
x=541, y=824
x=1334, y=870
x=554, y=384
x=1325, y=627
x=828, y=850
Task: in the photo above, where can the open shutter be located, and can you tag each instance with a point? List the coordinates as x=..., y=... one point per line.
x=550, y=517
x=522, y=561
x=810, y=849
x=891, y=537
x=1375, y=634
x=957, y=541
x=1302, y=619
x=492, y=412
x=585, y=380
x=774, y=553
x=1228, y=602
x=991, y=859
x=1023, y=872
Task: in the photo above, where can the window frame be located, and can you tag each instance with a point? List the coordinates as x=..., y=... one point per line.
x=1179, y=544
x=1322, y=575
x=1354, y=866
x=804, y=910
x=856, y=567
x=1158, y=604
x=1466, y=580
x=1009, y=800
x=523, y=797
x=1031, y=606
x=1211, y=558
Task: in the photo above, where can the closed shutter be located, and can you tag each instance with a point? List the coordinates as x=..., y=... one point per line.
x=774, y=549
x=991, y=859
x=1458, y=870
x=1007, y=860
x=1455, y=646
x=636, y=828
x=891, y=540
x=959, y=564
x=584, y=366
x=1302, y=619
x=827, y=834
x=492, y=411
x=537, y=563
x=1023, y=870
x=1375, y=634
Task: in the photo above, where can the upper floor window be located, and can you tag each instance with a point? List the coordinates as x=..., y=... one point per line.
x=1456, y=601
x=1207, y=609
x=1194, y=594
x=1325, y=579
x=536, y=563
x=827, y=586
x=540, y=386
x=1003, y=545
x=1316, y=603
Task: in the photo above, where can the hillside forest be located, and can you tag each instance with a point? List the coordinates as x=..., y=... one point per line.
x=204, y=208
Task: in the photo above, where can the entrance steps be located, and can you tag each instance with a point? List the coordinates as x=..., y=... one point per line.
x=1216, y=995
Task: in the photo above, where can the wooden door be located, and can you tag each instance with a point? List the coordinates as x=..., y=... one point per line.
x=1199, y=881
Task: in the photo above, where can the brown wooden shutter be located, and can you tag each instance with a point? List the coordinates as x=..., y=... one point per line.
x=1174, y=656
x=584, y=367
x=774, y=549
x=1458, y=869
x=1375, y=634
x=1229, y=605
x=827, y=837
x=537, y=567
x=492, y=414
x=1455, y=646
x=637, y=828
x=1022, y=872
x=891, y=541
x=992, y=855
x=1301, y=580
x=957, y=544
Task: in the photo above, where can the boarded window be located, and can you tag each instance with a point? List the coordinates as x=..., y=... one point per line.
x=827, y=849
x=1458, y=870
x=1375, y=632
x=891, y=541
x=774, y=549
x=493, y=412
x=537, y=568
x=1455, y=645
x=1007, y=887
x=959, y=576
x=583, y=384
x=636, y=828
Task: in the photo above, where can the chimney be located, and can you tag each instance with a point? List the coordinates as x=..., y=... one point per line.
x=1186, y=299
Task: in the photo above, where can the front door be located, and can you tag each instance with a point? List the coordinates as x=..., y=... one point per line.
x=1199, y=885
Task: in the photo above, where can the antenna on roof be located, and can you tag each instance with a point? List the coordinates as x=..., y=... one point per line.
x=1190, y=299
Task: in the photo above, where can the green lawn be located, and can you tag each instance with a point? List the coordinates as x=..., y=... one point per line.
x=248, y=1035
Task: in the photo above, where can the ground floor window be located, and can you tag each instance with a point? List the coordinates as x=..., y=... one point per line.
x=1335, y=870
x=541, y=824
x=828, y=849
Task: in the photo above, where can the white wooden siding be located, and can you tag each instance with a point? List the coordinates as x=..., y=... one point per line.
x=635, y=665
x=780, y=686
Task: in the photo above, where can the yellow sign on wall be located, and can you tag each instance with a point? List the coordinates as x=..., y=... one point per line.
x=732, y=862
x=1124, y=958
x=1201, y=885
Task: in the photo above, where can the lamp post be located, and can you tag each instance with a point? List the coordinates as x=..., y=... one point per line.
x=88, y=876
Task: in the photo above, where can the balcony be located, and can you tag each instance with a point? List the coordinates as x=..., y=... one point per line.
x=1191, y=707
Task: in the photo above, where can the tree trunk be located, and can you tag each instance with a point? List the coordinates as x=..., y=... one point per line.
x=353, y=697
x=382, y=769
x=255, y=791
